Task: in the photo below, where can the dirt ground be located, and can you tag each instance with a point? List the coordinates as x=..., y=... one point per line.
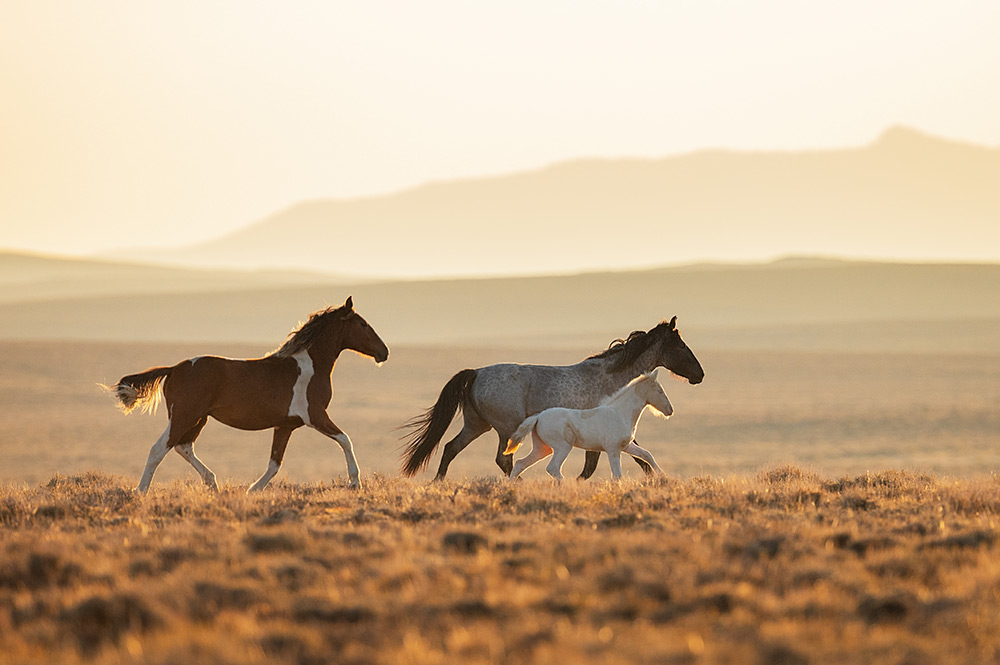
x=834, y=413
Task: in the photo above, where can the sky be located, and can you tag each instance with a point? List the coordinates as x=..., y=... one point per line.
x=160, y=124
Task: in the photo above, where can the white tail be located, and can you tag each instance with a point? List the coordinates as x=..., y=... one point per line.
x=143, y=390
x=519, y=435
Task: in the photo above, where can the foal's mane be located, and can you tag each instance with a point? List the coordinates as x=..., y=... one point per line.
x=302, y=337
x=628, y=386
x=624, y=352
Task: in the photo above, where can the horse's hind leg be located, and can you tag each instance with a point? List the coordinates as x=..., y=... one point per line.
x=539, y=450
x=186, y=450
x=156, y=455
x=505, y=462
x=472, y=428
x=278, y=444
x=554, y=467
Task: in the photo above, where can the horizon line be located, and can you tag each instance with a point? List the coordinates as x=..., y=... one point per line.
x=805, y=260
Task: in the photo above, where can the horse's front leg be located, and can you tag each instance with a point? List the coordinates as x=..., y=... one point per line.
x=615, y=460
x=325, y=426
x=641, y=461
x=590, y=465
x=639, y=453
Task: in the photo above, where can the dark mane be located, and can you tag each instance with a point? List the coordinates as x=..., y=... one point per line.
x=624, y=352
x=302, y=337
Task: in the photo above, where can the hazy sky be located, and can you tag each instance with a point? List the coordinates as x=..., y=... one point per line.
x=162, y=123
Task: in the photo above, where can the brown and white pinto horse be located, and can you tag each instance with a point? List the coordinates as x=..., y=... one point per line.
x=286, y=389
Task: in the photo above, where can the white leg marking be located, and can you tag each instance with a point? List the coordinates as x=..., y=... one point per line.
x=300, y=401
x=156, y=455
x=186, y=450
x=352, y=462
x=261, y=483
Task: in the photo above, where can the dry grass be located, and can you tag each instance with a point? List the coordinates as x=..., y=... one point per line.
x=782, y=567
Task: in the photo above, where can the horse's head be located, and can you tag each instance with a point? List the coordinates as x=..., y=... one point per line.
x=652, y=393
x=676, y=356
x=361, y=337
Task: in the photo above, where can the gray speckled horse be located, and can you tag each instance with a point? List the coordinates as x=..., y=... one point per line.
x=502, y=396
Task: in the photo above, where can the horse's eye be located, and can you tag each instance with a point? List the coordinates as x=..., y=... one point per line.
x=364, y=324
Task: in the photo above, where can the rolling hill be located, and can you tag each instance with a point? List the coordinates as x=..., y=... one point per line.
x=28, y=277
x=792, y=304
x=904, y=195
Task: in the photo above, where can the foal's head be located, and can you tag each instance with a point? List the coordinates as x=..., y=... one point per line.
x=650, y=390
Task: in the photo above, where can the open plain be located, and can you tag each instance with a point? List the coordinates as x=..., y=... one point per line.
x=831, y=492
x=776, y=537
x=834, y=413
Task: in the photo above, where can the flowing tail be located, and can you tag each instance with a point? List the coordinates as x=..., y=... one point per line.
x=431, y=426
x=140, y=390
x=520, y=434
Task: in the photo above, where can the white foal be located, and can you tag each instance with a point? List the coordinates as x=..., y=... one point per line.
x=609, y=427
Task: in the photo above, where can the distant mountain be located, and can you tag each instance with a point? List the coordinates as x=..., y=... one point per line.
x=905, y=195
x=28, y=277
x=791, y=304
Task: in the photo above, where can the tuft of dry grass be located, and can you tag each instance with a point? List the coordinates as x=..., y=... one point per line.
x=783, y=566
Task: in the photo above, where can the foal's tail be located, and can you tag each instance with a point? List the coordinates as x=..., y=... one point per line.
x=140, y=390
x=431, y=426
x=520, y=434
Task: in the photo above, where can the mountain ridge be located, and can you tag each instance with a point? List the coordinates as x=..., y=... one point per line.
x=905, y=195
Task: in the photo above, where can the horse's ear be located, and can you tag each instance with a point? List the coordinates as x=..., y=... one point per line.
x=673, y=323
x=350, y=302
x=652, y=374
